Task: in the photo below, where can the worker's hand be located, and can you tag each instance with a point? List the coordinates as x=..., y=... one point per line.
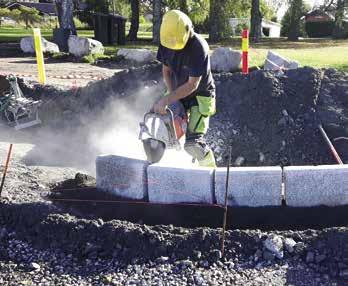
x=161, y=106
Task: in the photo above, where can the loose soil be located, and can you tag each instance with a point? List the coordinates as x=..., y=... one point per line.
x=54, y=244
x=268, y=118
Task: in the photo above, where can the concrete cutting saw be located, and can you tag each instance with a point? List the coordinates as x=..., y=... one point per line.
x=19, y=111
x=160, y=132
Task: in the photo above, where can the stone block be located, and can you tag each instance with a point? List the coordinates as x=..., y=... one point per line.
x=275, y=61
x=309, y=186
x=27, y=45
x=137, y=55
x=122, y=176
x=168, y=184
x=249, y=186
x=225, y=59
x=79, y=46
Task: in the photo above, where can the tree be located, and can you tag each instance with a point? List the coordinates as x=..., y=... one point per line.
x=4, y=12
x=256, y=21
x=65, y=9
x=219, y=21
x=285, y=22
x=133, y=31
x=197, y=10
x=99, y=6
x=183, y=6
x=27, y=15
x=157, y=19
x=296, y=13
x=339, y=31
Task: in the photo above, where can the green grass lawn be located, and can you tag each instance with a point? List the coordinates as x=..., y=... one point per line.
x=10, y=34
x=309, y=52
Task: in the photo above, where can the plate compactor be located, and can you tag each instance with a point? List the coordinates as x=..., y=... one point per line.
x=160, y=132
x=19, y=111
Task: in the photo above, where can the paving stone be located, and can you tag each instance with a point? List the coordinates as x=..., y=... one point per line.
x=307, y=186
x=122, y=176
x=249, y=186
x=275, y=61
x=168, y=184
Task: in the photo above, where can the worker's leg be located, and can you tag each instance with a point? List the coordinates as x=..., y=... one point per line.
x=195, y=143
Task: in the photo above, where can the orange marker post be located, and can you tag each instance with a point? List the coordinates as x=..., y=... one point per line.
x=245, y=51
x=5, y=168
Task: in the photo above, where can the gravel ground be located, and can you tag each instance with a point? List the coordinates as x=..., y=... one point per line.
x=43, y=244
x=40, y=244
x=63, y=73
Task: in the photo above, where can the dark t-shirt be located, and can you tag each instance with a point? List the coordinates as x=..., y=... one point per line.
x=192, y=61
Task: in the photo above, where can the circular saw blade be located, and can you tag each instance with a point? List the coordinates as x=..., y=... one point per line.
x=154, y=149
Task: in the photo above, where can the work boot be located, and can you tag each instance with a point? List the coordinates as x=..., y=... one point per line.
x=208, y=160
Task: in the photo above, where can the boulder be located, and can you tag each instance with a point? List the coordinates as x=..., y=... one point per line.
x=225, y=59
x=137, y=55
x=80, y=47
x=27, y=45
x=275, y=61
x=274, y=244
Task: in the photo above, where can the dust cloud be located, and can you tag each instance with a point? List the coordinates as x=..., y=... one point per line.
x=113, y=129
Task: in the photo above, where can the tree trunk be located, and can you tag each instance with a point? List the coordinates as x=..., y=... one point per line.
x=133, y=31
x=65, y=9
x=256, y=22
x=157, y=19
x=183, y=6
x=219, y=23
x=295, y=19
x=338, y=32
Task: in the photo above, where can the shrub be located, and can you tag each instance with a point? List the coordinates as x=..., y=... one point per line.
x=79, y=24
x=92, y=58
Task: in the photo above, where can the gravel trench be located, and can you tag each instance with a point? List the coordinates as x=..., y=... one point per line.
x=42, y=244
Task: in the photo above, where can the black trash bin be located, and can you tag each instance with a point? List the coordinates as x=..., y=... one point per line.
x=110, y=29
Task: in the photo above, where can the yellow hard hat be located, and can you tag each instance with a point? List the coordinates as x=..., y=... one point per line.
x=175, y=30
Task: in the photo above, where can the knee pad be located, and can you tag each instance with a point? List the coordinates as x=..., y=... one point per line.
x=198, y=149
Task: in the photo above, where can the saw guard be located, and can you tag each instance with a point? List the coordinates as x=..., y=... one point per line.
x=161, y=128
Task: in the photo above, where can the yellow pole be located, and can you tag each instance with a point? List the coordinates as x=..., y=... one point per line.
x=39, y=56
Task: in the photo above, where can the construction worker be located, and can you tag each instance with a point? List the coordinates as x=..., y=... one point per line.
x=188, y=78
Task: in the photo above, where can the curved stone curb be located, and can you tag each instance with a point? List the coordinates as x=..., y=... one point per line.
x=305, y=186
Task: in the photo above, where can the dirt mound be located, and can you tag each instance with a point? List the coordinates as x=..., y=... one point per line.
x=267, y=117
x=272, y=119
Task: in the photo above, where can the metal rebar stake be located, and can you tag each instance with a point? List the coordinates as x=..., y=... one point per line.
x=6, y=167
x=330, y=145
x=225, y=206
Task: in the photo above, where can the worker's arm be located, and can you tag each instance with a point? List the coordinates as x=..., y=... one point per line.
x=167, y=77
x=181, y=92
